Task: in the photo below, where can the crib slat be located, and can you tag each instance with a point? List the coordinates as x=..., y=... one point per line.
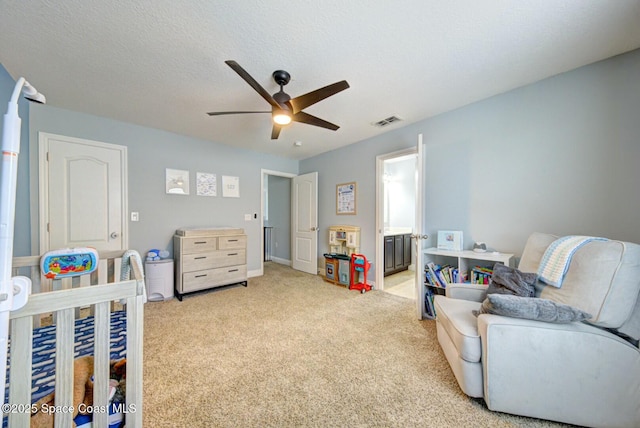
x=135, y=327
x=101, y=363
x=103, y=271
x=64, y=367
x=20, y=380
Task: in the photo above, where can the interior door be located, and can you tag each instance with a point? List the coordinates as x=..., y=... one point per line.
x=304, y=219
x=418, y=236
x=85, y=194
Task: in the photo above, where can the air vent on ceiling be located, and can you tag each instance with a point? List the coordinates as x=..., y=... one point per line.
x=388, y=121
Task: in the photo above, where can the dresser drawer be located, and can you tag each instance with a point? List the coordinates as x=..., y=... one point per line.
x=194, y=281
x=199, y=245
x=232, y=242
x=200, y=261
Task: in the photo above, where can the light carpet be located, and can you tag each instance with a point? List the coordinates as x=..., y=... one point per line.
x=291, y=350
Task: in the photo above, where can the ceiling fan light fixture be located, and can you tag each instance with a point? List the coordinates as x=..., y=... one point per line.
x=285, y=109
x=282, y=117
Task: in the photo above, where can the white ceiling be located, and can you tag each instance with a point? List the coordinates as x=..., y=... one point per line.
x=160, y=63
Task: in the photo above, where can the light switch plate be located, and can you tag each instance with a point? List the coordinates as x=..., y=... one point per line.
x=247, y=217
x=135, y=216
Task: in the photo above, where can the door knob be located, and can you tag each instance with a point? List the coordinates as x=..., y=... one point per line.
x=313, y=229
x=114, y=235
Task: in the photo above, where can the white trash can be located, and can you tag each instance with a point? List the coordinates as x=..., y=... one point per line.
x=158, y=279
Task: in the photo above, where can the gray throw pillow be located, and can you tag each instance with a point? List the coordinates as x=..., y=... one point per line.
x=531, y=308
x=508, y=280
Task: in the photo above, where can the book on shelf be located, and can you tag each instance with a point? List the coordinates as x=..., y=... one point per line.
x=429, y=308
x=436, y=276
x=430, y=280
x=440, y=276
x=481, y=275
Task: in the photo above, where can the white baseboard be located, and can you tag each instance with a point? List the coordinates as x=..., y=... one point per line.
x=281, y=261
x=252, y=273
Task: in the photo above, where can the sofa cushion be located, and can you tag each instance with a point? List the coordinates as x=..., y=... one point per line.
x=531, y=308
x=603, y=279
x=509, y=280
x=534, y=249
x=457, y=319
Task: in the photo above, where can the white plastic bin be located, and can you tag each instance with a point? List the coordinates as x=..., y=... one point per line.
x=159, y=280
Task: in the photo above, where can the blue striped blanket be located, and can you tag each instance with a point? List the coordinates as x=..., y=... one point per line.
x=557, y=257
x=44, y=364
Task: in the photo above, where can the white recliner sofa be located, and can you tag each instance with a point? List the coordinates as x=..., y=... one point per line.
x=584, y=373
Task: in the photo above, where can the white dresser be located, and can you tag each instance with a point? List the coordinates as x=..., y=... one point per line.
x=209, y=257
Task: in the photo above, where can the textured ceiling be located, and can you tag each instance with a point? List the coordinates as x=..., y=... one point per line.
x=161, y=63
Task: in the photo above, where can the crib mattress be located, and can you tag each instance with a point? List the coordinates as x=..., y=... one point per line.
x=44, y=348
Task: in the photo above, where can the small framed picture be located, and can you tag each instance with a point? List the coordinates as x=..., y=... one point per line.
x=450, y=240
x=230, y=186
x=346, y=198
x=177, y=181
x=206, y=184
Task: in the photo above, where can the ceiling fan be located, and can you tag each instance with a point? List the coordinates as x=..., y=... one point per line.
x=285, y=109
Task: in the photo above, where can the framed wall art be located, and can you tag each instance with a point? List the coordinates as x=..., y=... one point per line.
x=346, y=198
x=177, y=181
x=206, y=184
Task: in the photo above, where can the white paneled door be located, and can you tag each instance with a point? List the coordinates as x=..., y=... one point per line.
x=304, y=218
x=83, y=194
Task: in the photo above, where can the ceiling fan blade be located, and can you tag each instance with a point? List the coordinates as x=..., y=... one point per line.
x=220, y=113
x=304, y=101
x=275, y=132
x=303, y=117
x=251, y=81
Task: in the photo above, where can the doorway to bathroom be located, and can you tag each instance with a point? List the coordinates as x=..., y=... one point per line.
x=396, y=201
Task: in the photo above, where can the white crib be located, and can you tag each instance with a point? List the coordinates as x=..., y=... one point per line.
x=63, y=300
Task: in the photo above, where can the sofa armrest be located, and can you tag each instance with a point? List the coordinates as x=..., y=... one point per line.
x=473, y=292
x=573, y=372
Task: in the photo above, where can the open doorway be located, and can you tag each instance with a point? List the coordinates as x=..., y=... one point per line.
x=289, y=220
x=276, y=217
x=396, y=222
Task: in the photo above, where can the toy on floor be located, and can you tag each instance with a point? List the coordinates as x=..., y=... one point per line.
x=359, y=264
x=69, y=262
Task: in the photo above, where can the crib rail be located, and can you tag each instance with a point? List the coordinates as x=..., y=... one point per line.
x=107, y=271
x=64, y=303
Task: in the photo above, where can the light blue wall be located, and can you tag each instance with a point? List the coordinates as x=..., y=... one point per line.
x=561, y=156
x=150, y=152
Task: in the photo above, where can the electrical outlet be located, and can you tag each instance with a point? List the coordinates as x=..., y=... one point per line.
x=135, y=216
x=247, y=217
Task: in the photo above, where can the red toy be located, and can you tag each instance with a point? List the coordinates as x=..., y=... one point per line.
x=359, y=264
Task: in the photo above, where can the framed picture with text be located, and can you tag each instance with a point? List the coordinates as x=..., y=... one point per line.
x=346, y=198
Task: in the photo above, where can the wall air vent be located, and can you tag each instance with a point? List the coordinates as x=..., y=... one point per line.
x=388, y=121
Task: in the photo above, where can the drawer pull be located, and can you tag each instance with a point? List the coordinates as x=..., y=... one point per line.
x=200, y=276
x=200, y=242
x=233, y=240
x=233, y=270
x=232, y=254
x=199, y=258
